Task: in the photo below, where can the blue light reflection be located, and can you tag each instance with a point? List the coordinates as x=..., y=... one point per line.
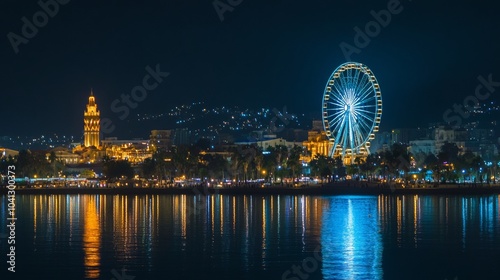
x=351, y=240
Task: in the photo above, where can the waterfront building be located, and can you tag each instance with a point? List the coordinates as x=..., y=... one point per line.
x=317, y=142
x=135, y=151
x=65, y=155
x=444, y=134
x=270, y=142
x=160, y=140
x=5, y=152
x=425, y=146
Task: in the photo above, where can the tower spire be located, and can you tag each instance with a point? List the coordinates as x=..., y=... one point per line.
x=91, y=122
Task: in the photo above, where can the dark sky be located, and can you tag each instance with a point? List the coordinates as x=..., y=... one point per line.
x=270, y=53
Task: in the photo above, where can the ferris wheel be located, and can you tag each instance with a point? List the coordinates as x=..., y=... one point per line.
x=352, y=109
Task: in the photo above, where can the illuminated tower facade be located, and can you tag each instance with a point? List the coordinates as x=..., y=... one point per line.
x=91, y=123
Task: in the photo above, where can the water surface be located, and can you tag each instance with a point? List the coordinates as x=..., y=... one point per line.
x=254, y=237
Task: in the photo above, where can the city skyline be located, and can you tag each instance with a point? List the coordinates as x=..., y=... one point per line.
x=238, y=61
x=238, y=139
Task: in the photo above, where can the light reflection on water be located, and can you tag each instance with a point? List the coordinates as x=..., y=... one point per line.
x=184, y=236
x=91, y=239
x=351, y=240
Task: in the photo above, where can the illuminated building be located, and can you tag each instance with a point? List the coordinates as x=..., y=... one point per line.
x=90, y=151
x=443, y=135
x=181, y=137
x=4, y=152
x=65, y=155
x=317, y=142
x=134, y=151
x=423, y=146
x=91, y=123
x=268, y=143
x=160, y=140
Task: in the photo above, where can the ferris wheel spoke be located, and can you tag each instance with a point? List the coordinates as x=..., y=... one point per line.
x=366, y=104
x=363, y=110
x=364, y=92
x=361, y=82
x=358, y=139
x=362, y=96
x=359, y=119
x=339, y=133
x=345, y=132
x=336, y=102
x=368, y=116
x=361, y=139
x=364, y=115
x=347, y=129
x=350, y=130
x=351, y=85
x=344, y=86
x=334, y=121
x=351, y=134
x=337, y=121
x=365, y=83
x=348, y=77
x=340, y=92
x=365, y=125
x=362, y=118
x=366, y=100
x=335, y=107
x=367, y=91
x=342, y=81
x=335, y=114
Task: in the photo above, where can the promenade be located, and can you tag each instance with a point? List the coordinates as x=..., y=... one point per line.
x=339, y=188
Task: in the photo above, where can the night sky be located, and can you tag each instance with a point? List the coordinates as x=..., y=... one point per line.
x=271, y=53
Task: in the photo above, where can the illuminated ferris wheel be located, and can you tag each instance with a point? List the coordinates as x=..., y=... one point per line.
x=352, y=109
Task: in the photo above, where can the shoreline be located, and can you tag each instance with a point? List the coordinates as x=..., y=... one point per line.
x=325, y=189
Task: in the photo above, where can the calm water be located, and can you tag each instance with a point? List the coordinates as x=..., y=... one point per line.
x=254, y=237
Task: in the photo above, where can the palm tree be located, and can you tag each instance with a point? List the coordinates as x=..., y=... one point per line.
x=324, y=166
x=293, y=161
x=235, y=164
x=431, y=162
x=258, y=162
x=280, y=154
